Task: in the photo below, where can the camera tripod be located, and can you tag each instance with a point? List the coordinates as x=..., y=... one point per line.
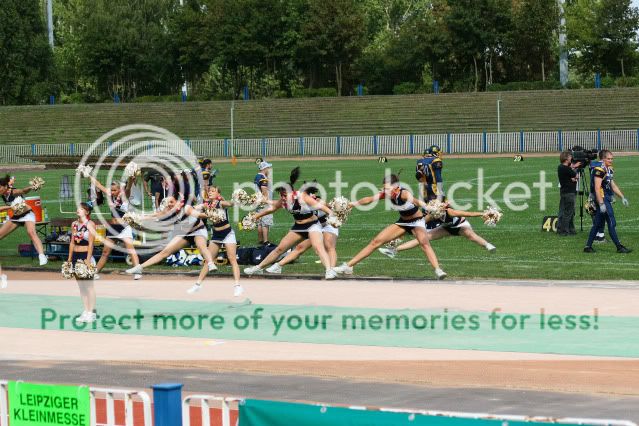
x=583, y=188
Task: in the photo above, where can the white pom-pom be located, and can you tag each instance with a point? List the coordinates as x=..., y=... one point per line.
x=341, y=208
x=83, y=271
x=36, y=183
x=394, y=243
x=67, y=270
x=164, y=204
x=216, y=216
x=133, y=219
x=249, y=222
x=334, y=221
x=131, y=170
x=84, y=171
x=492, y=216
x=436, y=209
x=19, y=206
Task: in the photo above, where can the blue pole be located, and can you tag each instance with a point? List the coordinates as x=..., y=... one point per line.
x=110, y=151
x=484, y=139
x=71, y=148
x=263, y=147
x=411, y=141
x=448, y=143
x=52, y=100
x=339, y=145
x=226, y=147
x=598, y=139
x=521, y=141
x=375, y=145
x=436, y=87
x=560, y=140
x=33, y=149
x=302, y=145
x=246, y=93
x=167, y=404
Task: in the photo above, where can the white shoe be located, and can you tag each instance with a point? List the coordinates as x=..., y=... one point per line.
x=135, y=270
x=491, y=248
x=212, y=267
x=96, y=276
x=253, y=270
x=43, y=259
x=388, y=251
x=331, y=274
x=3, y=281
x=196, y=287
x=238, y=290
x=83, y=317
x=274, y=269
x=90, y=318
x=137, y=276
x=440, y=274
x=343, y=269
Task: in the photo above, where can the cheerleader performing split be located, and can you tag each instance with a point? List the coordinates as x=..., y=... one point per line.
x=25, y=218
x=188, y=228
x=223, y=235
x=329, y=236
x=411, y=220
x=453, y=224
x=81, y=250
x=118, y=230
x=306, y=227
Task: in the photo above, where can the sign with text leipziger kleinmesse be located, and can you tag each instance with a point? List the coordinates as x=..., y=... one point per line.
x=32, y=404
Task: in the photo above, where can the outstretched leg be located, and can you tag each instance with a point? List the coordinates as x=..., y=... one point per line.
x=389, y=233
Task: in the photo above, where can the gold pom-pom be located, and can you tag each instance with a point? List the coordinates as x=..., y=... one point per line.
x=249, y=222
x=67, y=270
x=492, y=216
x=36, y=183
x=19, y=206
x=436, y=209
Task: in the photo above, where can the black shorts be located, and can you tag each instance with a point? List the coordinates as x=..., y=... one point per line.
x=452, y=230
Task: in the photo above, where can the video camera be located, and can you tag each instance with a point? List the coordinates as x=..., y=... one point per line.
x=583, y=156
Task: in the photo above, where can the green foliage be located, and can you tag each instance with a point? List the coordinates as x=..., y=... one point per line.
x=525, y=85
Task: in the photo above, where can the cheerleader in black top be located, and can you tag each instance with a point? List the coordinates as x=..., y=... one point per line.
x=81, y=249
x=117, y=198
x=223, y=235
x=411, y=220
x=188, y=229
x=26, y=218
x=306, y=226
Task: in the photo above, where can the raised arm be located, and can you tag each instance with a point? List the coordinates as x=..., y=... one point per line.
x=275, y=206
x=462, y=213
x=22, y=191
x=99, y=185
x=366, y=200
x=316, y=204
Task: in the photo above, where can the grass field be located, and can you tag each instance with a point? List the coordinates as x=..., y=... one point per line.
x=523, y=249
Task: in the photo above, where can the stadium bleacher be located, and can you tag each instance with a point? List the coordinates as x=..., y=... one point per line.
x=382, y=115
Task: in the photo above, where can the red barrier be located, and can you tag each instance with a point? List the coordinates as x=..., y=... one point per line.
x=138, y=414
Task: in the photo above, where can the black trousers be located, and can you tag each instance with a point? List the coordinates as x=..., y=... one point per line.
x=566, y=224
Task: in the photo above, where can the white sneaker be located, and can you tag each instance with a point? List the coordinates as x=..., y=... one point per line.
x=43, y=259
x=137, y=276
x=388, y=251
x=440, y=274
x=343, y=269
x=91, y=317
x=491, y=248
x=3, y=281
x=212, y=267
x=238, y=290
x=83, y=317
x=196, y=287
x=331, y=274
x=253, y=270
x=96, y=276
x=135, y=270
x=274, y=269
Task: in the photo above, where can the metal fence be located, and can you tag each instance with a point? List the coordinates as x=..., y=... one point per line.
x=451, y=143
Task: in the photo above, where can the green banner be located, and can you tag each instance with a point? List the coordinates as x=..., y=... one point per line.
x=32, y=404
x=270, y=413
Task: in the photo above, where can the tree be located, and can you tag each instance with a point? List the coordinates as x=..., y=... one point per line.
x=333, y=34
x=26, y=61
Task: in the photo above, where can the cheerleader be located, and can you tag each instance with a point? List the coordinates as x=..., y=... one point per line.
x=118, y=200
x=453, y=224
x=26, y=218
x=188, y=229
x=306, y=227
x=329, y=236
x=81, y=250
x=223, y=235
x=411, y=220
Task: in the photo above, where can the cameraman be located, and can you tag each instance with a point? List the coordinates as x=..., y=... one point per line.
x=568, y=183
x=605, y=190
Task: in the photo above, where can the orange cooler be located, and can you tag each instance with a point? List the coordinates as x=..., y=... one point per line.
x=36, y=206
